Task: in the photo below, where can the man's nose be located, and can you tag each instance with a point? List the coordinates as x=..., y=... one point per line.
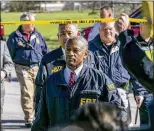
x=70, y=53
x=67, y=36
x=108, y=31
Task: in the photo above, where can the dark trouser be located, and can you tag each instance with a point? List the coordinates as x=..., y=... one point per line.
x=38, y=92
x=147, y=112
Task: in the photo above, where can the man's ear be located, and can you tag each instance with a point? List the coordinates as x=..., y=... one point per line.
x=99, y=28
x=86, y=54
x=78, y=34
x=110, y=15
x=58, y=36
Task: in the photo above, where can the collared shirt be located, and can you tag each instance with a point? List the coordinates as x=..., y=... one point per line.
x=26, y=36
x=94, y=31
x=68, y=71
x=63, y=50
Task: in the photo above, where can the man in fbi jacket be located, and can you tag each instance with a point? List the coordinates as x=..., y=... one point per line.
x=74, y=85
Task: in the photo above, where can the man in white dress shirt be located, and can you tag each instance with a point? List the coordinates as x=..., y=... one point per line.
x=105, y=12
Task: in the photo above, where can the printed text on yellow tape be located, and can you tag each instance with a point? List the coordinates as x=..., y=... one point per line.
x=71, y=21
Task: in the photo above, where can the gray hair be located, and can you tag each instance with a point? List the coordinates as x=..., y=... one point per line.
x=79, y=39
x=73, y=24
x=26, y=15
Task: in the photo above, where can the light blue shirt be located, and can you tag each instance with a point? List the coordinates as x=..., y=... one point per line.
x=68, y=71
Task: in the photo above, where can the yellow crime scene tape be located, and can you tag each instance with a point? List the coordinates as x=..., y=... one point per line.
x=71, y=21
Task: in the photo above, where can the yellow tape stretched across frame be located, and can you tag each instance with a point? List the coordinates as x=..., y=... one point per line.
x=71, y=21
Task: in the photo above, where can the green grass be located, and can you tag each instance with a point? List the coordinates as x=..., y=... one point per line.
x=49, y=32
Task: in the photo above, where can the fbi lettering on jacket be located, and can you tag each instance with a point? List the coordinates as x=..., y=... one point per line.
x=56, y=69
x=87, y=100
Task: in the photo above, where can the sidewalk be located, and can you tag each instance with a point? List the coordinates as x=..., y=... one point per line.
x=12, y=117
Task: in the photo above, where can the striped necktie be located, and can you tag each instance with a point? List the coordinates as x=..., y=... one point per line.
x=72, y=79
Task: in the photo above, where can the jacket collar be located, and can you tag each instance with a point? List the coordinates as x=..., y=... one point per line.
x=100, y=45
x=19, y=31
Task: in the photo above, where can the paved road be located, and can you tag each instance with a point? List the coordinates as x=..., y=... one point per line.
x=12, y=117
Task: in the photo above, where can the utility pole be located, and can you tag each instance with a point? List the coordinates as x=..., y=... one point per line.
x=112, y=2
x=45, y=5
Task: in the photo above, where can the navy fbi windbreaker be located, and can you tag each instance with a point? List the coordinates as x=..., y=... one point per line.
x=59, y=101
x=26, y=52
x=110, y=61
x=53, y=62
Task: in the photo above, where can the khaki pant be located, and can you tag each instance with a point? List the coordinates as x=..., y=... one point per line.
x=26, y=77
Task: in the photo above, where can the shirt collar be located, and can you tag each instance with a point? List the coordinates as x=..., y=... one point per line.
x=63, y=50
x=76, y=71
x=19, y=31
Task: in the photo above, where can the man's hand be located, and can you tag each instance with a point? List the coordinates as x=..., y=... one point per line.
x=122, y=23
x=139, y=100
x=3, y=74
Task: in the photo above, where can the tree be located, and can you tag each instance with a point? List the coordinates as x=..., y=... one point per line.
x=24, y=6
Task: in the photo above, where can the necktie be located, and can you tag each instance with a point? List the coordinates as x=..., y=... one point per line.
x=72, y=79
